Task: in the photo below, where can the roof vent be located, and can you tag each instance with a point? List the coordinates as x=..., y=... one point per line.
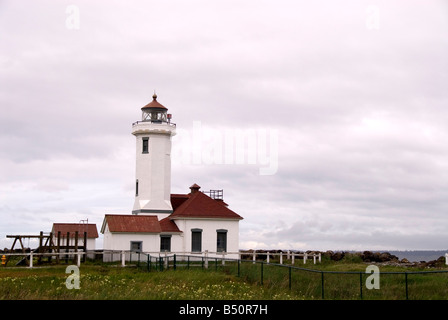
x=194, y=188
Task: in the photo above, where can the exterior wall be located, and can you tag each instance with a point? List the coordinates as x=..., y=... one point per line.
x=153, y=169
x=209, y=234
x=122, y=241
x=180, y=242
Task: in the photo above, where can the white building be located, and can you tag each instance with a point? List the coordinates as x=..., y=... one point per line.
x=165, y=222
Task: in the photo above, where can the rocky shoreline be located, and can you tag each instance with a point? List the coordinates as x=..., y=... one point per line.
x=385, y=258
x=370, y=257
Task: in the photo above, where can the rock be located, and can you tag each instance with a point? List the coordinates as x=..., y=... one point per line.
x=367, y=256
x=404, y=260
x=337, y=256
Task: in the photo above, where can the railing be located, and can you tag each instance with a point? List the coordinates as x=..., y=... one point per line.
x=155, y=121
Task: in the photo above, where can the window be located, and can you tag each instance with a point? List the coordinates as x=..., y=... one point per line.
x=136, y=246
x=221, y=240
x=145, y=145
x=196, y=240
x=165, y=243
x=136, y=188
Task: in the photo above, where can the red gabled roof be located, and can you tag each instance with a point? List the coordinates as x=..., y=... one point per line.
x=199, y=205
x=132, y=223
x=167, y=225
x=90, y=228
x=178, y=199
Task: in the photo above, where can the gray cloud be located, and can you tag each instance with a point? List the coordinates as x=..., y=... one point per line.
x=360, y=113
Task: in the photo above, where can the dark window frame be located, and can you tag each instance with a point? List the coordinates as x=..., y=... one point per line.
x=165, y=243
x=139, y=246
x=196, y=240
x=145, y=145
x=221, y=240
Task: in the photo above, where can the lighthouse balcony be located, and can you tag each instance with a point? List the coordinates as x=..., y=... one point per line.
x=151, y=126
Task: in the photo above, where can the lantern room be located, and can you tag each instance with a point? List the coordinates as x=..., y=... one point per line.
x=155, y=112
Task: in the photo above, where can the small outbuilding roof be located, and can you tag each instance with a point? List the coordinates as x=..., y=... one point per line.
x=90, y=228
x=131, y=223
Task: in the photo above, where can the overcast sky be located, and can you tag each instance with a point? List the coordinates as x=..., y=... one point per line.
x=342, y=107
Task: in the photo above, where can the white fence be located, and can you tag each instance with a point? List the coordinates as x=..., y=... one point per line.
x=124, y=256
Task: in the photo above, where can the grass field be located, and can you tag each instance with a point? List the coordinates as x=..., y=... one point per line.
x=251, y=282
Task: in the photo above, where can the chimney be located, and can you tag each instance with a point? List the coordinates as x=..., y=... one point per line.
x=194, y=188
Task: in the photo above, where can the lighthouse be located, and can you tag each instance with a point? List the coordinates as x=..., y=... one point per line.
x=153, y=160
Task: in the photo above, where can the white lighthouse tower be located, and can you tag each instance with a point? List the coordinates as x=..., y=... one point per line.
x=153, y=160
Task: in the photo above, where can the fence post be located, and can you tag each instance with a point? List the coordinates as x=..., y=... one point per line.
x=206, y=259
x=239, y=262
x=254, y=257
x=78, y=262
x=406, y=280
x=305, y=256
x=322, y=276
x=166, y=261
x=223, y=261
x=123, y=258
x=148, y=263
x=293, y=258
x=289, y=277
x=31, y=259
x=314, y=258
x=360, y=285
x=267, y=257
x=281, y=257
x=174, y=262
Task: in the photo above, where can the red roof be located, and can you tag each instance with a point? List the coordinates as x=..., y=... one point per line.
x=132, y=223
x=168, y=225
x=177, y=200
x=90, y=228
x=154, y=104
x=199, y=205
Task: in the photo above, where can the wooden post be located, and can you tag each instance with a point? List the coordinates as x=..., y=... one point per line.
x=40, y=249
x=67, y=246
x=51, y=245
x=281, y=257
x=76, y=243
x=58, y=248
x=85, y=247
x=254, y=256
